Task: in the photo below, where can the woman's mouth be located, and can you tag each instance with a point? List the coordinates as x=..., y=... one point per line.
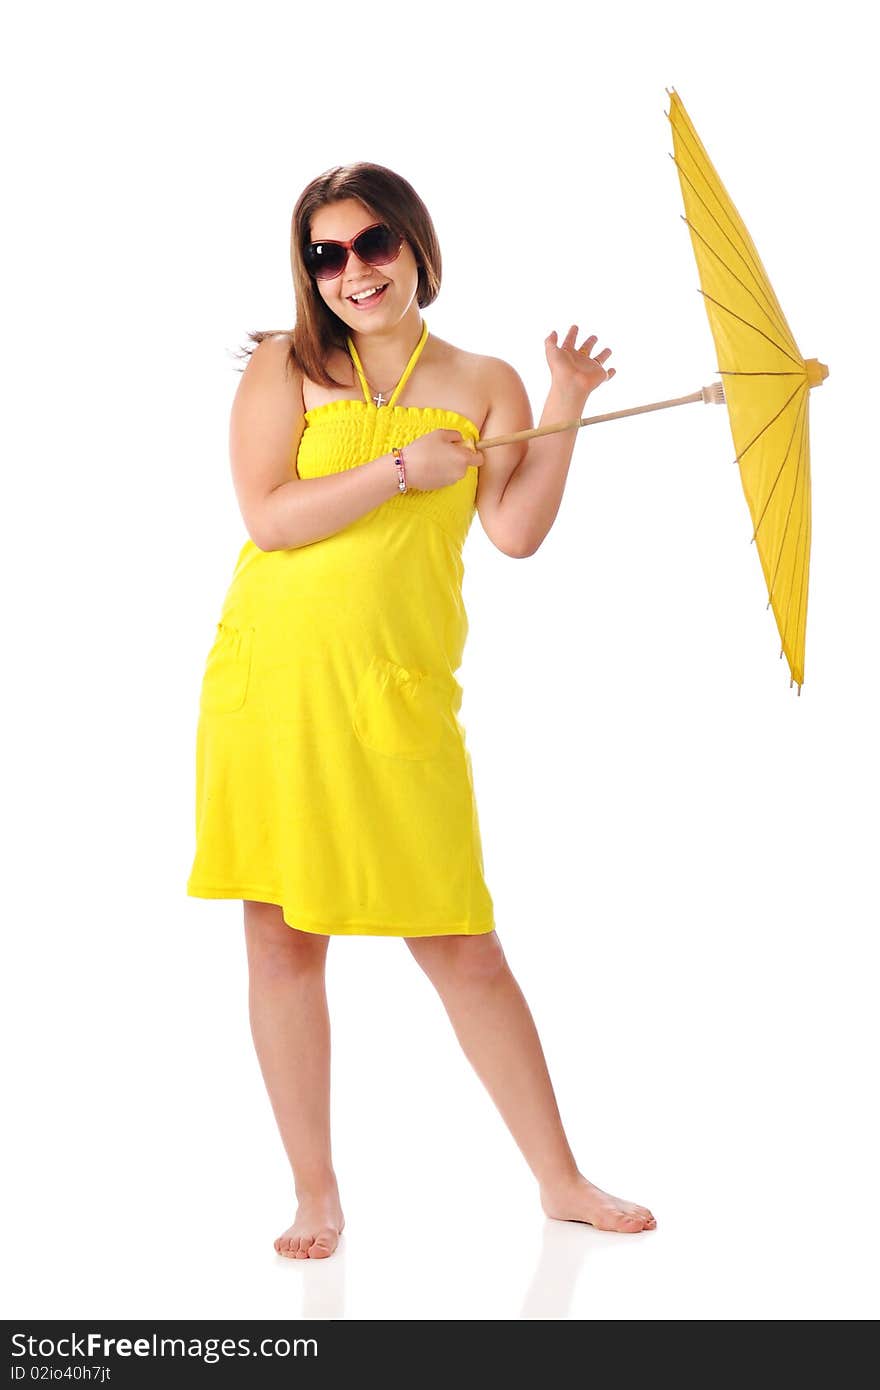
x=371, y=298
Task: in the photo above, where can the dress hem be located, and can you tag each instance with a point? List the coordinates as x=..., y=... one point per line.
x=319, y=928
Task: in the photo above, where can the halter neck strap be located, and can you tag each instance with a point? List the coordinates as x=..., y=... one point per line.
x=417, y=350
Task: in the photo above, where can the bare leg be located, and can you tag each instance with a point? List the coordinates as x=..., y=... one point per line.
x=290, y=1025
x=493, y=1023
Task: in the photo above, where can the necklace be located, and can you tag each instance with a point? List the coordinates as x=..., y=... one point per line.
x=380, y=398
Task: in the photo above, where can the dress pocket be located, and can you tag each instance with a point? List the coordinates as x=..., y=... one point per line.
x=227, y=670
x=402, y=713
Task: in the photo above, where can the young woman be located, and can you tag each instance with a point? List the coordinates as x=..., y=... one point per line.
x=333, y=783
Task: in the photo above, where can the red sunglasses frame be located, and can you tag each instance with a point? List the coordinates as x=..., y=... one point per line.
x=349, y=247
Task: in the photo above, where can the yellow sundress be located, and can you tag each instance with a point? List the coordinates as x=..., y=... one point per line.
x=332, y=772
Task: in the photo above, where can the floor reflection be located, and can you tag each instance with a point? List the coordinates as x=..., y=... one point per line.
x=564, y=1248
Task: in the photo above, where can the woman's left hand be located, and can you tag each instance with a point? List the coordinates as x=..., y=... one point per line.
x=576, y=370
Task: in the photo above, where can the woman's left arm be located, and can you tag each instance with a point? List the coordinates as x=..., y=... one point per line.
x=521, y=485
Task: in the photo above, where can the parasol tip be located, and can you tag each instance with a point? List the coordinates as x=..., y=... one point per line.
x=816, y=371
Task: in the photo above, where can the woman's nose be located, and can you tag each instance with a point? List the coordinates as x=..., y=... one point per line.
x=355, y=267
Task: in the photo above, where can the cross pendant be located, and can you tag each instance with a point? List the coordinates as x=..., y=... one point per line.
x=378, y=399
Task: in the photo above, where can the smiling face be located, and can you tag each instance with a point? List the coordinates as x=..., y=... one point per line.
x=341, y=222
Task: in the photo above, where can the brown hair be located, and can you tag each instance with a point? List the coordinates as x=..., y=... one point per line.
x=388, y=197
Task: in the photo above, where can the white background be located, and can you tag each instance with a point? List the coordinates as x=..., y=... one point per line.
x=682, y=851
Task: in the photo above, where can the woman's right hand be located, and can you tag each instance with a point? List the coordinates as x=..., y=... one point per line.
x=438, y=459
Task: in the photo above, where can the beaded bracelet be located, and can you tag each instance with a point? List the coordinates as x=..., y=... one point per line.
x=401, y=469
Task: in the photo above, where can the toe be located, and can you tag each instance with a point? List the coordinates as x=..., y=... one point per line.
x=324, y=1244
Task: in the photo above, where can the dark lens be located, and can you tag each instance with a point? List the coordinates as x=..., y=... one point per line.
x=378, y=245
x=324, y=259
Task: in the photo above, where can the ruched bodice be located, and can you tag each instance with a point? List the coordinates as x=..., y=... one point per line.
x=342, y=434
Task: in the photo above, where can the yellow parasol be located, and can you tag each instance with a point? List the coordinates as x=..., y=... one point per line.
x=767, y=384
x=766, y=387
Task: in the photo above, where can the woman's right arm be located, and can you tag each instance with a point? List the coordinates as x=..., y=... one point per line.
x=266, y=425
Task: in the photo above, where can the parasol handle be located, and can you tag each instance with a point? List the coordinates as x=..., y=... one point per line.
x=711, y=395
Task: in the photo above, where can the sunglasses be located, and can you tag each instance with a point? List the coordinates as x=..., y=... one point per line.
x=375, y=245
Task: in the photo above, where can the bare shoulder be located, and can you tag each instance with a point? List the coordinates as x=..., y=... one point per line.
x=473, y=364
x=271, y=380
x=487, y=381
x=501, y=379
x=271, y=354
x=502, y=388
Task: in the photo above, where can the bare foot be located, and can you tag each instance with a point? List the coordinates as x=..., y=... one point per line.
x=316, y=1230
x=579, y=1200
